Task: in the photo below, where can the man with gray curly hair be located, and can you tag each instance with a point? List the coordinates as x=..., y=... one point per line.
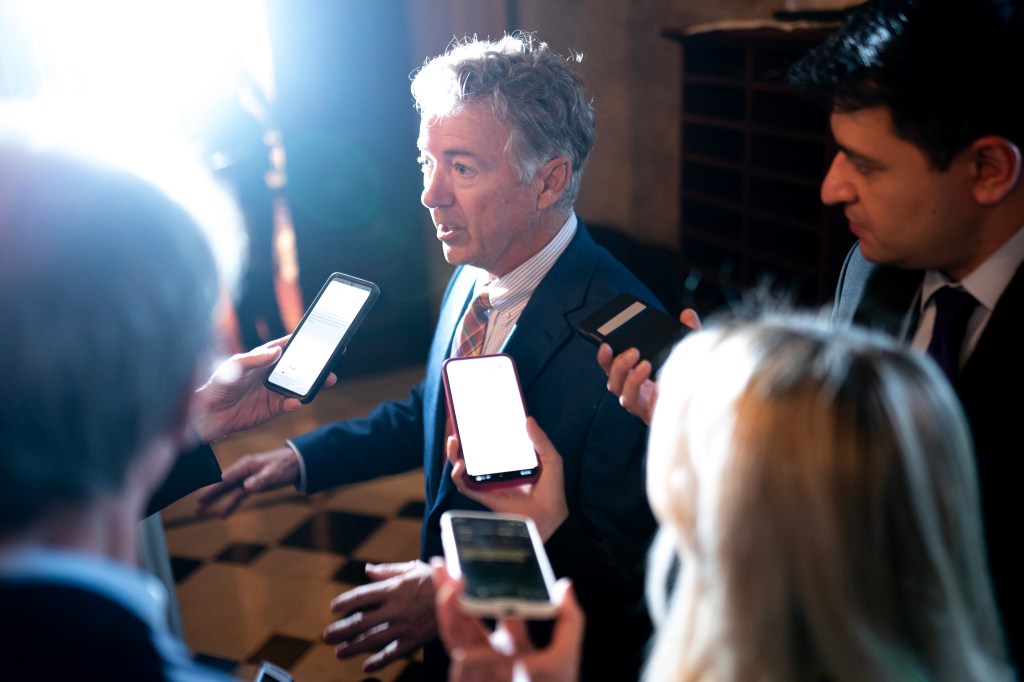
x=547, y=110
x=506, y=128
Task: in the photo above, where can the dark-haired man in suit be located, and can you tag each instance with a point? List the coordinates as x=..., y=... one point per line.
x=930, y=130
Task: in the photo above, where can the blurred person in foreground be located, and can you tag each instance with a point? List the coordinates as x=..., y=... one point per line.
x=110, y=277
x=819, y=520
x=929, y=130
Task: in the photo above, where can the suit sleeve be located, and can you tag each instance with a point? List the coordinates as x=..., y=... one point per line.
x=194, y=469
x=388, y=441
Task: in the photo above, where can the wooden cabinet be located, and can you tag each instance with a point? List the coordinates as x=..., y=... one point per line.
x=753, y=157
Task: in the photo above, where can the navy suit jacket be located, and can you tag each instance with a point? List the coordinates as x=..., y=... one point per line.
x=56, y=631
x=604, y=543
x=988, y=386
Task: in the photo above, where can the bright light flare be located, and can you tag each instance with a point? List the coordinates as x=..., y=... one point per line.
x=166, y=62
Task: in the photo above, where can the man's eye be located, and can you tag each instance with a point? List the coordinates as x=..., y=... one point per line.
x=461, y=169
x=424, y=163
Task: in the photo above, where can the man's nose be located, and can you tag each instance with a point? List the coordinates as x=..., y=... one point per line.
x=435, y=190
x=836, y=188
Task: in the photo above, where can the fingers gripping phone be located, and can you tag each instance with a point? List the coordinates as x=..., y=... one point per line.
x=485, y=403
x=627, y=322
x=503, y=563
x=321, y=336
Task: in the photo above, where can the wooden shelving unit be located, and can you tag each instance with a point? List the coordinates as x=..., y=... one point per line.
x=753, y=157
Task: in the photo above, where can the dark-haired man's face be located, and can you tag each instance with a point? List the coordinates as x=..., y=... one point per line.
x=904, y=212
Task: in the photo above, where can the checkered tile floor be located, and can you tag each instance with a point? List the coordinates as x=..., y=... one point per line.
x=257, y=585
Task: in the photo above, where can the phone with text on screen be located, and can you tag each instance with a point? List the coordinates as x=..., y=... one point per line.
x=502, y=562
x=321, y=336
x=485, y=405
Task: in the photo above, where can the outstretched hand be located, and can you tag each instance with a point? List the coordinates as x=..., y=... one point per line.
x=630, y=378
x=249, y=475
x=543, y=500
x=235, y=399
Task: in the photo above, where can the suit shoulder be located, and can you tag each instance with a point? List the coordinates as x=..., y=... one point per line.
x=612, y=277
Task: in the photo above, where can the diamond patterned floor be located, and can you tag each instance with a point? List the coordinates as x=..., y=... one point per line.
x=257, y=585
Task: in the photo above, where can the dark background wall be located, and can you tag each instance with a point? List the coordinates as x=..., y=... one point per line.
x=349, y=130
x=342, y=70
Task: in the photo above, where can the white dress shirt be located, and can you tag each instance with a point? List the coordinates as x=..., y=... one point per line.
x=986, y=284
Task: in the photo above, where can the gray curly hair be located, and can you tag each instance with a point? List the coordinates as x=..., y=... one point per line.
x=524, y=84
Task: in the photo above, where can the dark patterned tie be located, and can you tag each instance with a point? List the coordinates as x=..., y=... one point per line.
x=953, y=307
x=474, y=326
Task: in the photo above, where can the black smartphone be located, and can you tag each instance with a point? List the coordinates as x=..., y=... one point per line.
x=321, y=336
x=627, y=322
x=485, y=404
x=503, y=563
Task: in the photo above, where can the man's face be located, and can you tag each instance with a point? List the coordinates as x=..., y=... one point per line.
x=483, y=214
x=905, y=213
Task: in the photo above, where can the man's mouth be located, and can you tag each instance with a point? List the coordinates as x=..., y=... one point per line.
x=856, y=227
x=446, y=232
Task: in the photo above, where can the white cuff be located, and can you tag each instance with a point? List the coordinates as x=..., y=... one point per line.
x=301, y=484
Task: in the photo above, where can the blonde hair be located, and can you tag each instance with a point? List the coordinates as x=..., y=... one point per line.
x=819, y=513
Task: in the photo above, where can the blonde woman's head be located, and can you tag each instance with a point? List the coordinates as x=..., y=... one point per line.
x=819, y=512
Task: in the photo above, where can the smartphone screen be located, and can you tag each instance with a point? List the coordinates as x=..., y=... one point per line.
x=502, y=561
x=486, y=404
x=320, y=335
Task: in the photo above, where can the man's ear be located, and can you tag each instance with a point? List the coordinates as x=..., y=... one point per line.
x=554, y=176
x=997, y=165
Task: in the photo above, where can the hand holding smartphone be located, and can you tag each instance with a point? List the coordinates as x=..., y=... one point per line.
x=321, y=336
x=269, y=672
x=485, y=403
x=627, y=322
x=503, y=563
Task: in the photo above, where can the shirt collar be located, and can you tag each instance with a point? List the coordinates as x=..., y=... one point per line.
x=988, y=281
x=514, y=286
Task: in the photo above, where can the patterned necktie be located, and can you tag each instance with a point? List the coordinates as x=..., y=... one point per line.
x=471, y=342
x=474, y=326
x=953, y=307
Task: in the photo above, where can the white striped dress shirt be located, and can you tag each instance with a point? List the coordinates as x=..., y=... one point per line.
x=511, y=292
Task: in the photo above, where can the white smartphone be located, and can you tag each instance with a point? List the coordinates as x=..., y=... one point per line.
x=485, y=404
x=503, y=563
x=321, y=336
x=269, y=672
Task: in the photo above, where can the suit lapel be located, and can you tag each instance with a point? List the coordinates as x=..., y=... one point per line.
x=546, y=323
x=544, y=326
x=456, y=302
x=887, y=301
x=435, y=407
x=1000, y=343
